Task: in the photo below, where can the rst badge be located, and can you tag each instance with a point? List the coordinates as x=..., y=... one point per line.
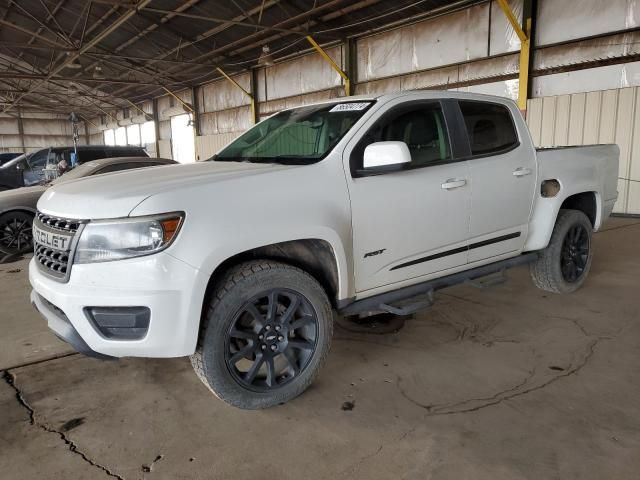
x=52, y=240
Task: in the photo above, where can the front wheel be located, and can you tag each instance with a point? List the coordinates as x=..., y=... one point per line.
x=564, y=265
x=15, y=232
x=265, y=334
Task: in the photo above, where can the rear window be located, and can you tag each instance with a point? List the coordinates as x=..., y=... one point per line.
x=118, y=167
x=126, y=152
x=89, y=154
x=489, y=126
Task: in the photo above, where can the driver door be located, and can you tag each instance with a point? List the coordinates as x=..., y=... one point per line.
x=414, y=222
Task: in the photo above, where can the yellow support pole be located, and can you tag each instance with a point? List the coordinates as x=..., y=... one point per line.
x=334, y=65
x=136, y=107
x=523, y=77
x=525, y=52
x=504, y=5
x=248, y=94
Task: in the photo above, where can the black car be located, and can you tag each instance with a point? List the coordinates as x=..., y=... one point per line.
x=29, y=169
x=5, y=157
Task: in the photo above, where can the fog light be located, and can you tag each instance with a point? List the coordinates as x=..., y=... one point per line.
x=120, y=323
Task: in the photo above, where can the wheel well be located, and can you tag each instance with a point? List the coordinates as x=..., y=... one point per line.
x=21, y=210
x=585, y=202
x=314, y=256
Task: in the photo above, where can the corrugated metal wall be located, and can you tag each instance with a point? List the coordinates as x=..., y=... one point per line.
x=39, y=130
x=208, y=145
x=609, y=116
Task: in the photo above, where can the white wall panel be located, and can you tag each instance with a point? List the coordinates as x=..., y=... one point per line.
x=300, y=75
x=503, y=37
x=588, y=50
x=453, y=38
x=561, y=20
x=209, y=145
x=593, y=79
x=506, y=88
x=611, y=116
x=222, y=94
x=165, y=148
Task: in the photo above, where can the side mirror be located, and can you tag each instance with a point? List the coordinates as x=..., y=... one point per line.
x=19, y=166
x=382, y=157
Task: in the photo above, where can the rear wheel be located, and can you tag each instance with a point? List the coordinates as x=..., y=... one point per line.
x=265, y=335
x=15, y=232
x=564, y=265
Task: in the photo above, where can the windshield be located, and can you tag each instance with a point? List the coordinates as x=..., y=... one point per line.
x=300, y=136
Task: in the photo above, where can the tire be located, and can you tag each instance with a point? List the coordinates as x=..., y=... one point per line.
x=15, y=232
x=564, y=265
x=265, y=334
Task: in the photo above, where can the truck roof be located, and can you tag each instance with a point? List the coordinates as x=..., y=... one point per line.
x=408, y=93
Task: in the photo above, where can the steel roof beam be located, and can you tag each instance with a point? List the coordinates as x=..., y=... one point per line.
x=94, y=41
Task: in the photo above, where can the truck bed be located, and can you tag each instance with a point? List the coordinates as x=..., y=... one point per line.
x=581, y=166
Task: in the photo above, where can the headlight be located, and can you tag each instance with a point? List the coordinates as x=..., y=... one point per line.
x=107, y=240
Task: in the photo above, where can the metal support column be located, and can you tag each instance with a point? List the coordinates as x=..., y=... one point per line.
x=255, y=112
x=334, y=65
x=156, y=125
x=524, y=32
x=196, y=110
x=351, y=62
x=21, y=131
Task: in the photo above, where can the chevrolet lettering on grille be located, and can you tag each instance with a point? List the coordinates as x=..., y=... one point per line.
x=52, y=240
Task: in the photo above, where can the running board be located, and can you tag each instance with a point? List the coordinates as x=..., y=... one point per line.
x=384, y=301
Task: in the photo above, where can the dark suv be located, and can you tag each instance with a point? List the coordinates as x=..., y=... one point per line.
x=28, y=169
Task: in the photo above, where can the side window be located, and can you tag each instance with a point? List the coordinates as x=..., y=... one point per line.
x=421, y=127
x=38, y=160
x=489, y=126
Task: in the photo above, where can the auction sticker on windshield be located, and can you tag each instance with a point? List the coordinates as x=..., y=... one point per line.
x=350, y=107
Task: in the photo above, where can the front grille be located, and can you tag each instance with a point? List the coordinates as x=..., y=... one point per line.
x=56, y=223
x=55, y=262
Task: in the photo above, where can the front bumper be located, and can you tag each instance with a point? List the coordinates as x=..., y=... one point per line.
x=62, y=327
x=170, y=288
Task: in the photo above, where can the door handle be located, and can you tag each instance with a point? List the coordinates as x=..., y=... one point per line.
x=453, y=183
x=521, y=172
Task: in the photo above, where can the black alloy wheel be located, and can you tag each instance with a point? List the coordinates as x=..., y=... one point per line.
x=575, y=253
x=16, y=235
x=271, y=340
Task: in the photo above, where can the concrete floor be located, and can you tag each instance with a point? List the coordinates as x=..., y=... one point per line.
x=505, y=383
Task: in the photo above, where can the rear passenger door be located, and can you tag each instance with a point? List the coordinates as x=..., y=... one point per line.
x=503, y=177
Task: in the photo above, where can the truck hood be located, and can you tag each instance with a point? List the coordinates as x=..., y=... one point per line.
x=117, y=194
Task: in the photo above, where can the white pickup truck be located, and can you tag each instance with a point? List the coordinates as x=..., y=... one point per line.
x=360, y=204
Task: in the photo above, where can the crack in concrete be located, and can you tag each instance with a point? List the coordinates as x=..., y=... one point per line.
x=504, y=395
x=149, y=468
x=42, y=360
x=10, y=379
x=354, y=467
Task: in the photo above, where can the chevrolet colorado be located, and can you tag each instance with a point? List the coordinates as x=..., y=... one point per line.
x=359, y=204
